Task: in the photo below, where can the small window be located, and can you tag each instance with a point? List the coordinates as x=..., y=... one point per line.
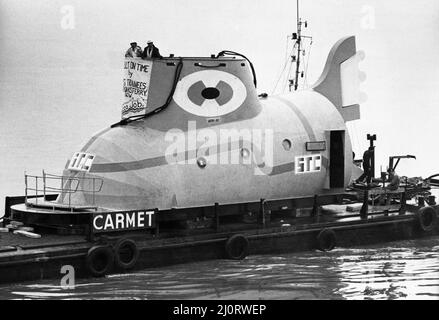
x=316, y=146
x=286, y=144
x=245, y=153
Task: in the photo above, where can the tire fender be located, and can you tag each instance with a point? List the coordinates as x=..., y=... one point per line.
x=99, y=260
x=326, y=240
x=126, y=253
x=426, y=218
x=237, y=247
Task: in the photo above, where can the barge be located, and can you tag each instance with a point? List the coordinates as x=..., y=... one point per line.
x=268, y=231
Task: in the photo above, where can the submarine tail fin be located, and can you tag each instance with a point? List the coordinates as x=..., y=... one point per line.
x=340, y=80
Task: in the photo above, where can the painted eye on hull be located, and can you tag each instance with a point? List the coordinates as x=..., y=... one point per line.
x=210, y=93
x=222, y=93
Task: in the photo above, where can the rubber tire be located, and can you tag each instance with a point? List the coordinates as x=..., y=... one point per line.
x=326, y=240
x=92, y=263
x=426, y=218
x=118, y=259
x=237, y=247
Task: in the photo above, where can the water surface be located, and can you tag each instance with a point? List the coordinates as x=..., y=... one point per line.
x=396, y=270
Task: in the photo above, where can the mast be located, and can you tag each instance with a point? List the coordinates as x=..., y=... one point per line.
x=298, y=41
x=295, y=55
x=298, y=37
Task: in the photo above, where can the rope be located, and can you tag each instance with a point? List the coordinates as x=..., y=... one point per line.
x=305, y=81
x=287, y=58
x=233, y=53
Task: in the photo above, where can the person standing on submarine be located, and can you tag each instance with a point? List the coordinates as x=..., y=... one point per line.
x=151, y=51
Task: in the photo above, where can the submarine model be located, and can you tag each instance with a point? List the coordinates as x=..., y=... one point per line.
x=216, y=140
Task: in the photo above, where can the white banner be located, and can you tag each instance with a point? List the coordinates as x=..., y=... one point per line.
x=136, y=87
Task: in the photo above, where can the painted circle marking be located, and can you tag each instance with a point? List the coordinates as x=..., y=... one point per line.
x=210, y=107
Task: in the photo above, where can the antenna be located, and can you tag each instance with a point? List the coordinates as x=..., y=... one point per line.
x=296, y=58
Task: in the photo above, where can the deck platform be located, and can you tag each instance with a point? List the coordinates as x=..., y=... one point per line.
x=23, y=258
x=51, y=204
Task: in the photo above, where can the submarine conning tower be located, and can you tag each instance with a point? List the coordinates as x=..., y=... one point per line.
x=208, y=90
x=221, y=89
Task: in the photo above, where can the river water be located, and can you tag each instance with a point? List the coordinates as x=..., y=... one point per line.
x=396, y=270
x=42, y=128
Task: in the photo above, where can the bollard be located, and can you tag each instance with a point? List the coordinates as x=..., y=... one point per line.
x=315, y=207
x=216, y=216
x=262, y=212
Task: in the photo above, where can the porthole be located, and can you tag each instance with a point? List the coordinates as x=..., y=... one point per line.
x=286, y=144
x=202, y=162
x=245, y=153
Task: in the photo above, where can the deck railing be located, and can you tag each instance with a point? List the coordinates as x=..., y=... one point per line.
x=41, y=185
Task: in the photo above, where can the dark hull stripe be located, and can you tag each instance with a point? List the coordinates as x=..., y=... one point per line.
x=93, y=139
x=308, y=128
x=161, y=161
x=130, y=165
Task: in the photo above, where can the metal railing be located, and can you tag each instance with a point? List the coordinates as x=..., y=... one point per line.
x=46, y=184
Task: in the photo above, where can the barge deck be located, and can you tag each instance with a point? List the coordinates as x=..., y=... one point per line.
x=24, y=259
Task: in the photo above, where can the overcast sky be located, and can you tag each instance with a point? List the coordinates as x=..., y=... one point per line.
x=43, y=50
